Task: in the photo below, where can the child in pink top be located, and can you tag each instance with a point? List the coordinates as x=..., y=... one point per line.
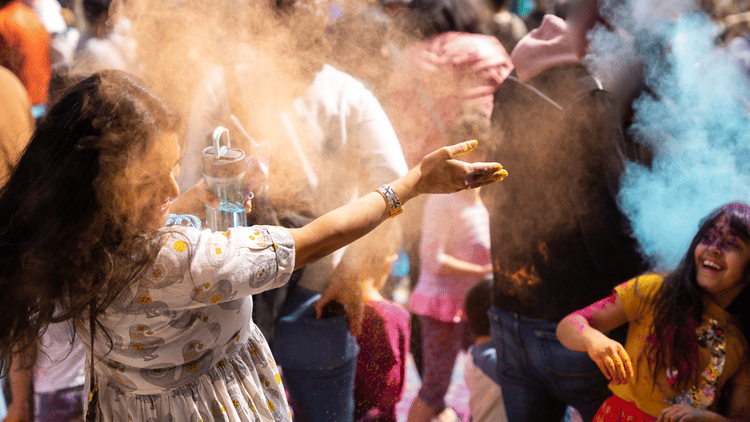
x=384, y=337
x=454, y=256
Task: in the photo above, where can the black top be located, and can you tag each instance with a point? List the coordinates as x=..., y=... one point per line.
x=559, y=240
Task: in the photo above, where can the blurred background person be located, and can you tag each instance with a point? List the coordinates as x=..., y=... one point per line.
x=559, y=239
x=384, y=337
x=480, y=369
x=24, y=49
x=454, y=256
x=16, y=121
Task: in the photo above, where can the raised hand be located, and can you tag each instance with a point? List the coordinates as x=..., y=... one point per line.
x=440, y=172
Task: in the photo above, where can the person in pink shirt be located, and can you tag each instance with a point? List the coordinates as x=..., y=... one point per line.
x=384, y=337
x=454, y=256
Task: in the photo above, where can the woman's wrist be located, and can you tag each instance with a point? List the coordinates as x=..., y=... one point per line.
x=405, y=186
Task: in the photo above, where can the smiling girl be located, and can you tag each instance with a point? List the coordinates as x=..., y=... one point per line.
x=685, y=343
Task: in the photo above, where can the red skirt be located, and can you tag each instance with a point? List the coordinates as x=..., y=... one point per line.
x=615, y=409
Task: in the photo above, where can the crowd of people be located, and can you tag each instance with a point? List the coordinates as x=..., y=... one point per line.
x=121, y=305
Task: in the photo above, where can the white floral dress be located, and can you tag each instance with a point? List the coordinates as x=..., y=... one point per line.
x=180, y=345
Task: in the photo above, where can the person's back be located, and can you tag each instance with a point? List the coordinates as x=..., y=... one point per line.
x=559, y=240
x=381, y=364
x=555, y=227
x=384, y=336
x=24, y=48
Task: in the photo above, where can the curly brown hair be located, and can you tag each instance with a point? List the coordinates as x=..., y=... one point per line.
x=63, y=245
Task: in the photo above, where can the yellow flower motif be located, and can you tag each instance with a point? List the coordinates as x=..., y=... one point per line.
x=271, y=407
x=156, y=273
x=192, y=367
x=236, y=403
x=278, y=379
x=252, y=237
x=218, y=251
x=180, y=246
x=144, y=300
x=226, y=234
x=138, y=346
x=215, y=299
x=261, y=272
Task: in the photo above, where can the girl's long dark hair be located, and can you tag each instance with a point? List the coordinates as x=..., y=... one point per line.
x=63, y=243
x=678, y=305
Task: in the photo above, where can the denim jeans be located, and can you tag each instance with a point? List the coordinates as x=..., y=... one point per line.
x=318, y=359
x=539, y=377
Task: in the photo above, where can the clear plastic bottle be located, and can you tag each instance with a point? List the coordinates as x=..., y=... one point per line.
x=224, y=175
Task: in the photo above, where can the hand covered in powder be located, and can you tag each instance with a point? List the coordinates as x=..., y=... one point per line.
x=440, y=172
x=610, y=357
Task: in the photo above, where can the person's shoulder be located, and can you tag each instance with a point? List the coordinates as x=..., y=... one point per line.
x=641, y=287
x=333, y=77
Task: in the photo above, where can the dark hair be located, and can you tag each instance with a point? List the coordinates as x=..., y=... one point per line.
x=476, y=304
x=93, y=9
x=469, y=123
x=432, y=17
x=64, y=245
x=678, y=305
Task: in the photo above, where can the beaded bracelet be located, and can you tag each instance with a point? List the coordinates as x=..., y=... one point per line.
x=391, y=199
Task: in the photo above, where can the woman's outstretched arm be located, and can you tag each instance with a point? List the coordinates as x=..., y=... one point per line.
x=584, y=330
x=437, y=173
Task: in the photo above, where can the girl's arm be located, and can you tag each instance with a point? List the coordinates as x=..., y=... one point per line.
x=583, y=331
x=450, y=265
x=437, y=173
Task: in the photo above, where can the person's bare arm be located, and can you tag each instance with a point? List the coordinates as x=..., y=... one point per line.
x=437, y=173
x=19, y=378
x=583, y=331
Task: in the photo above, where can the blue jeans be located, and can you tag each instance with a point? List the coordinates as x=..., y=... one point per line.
x=318, y=359
x=539, y=377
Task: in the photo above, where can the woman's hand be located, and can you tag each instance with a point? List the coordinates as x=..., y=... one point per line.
x=439, y=172
x=610, y=357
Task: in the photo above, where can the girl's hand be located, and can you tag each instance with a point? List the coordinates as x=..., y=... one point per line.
x=685, y=413
x=439, y=172
x=610, y=357
x=194, y=201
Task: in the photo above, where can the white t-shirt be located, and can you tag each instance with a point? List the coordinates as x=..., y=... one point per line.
x=485, y=397
x=343, y=132
x=59, y=364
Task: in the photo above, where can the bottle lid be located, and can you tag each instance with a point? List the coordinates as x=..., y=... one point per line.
x=223, y=162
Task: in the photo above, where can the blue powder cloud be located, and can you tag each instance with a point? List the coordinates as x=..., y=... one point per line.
x=696, y=119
